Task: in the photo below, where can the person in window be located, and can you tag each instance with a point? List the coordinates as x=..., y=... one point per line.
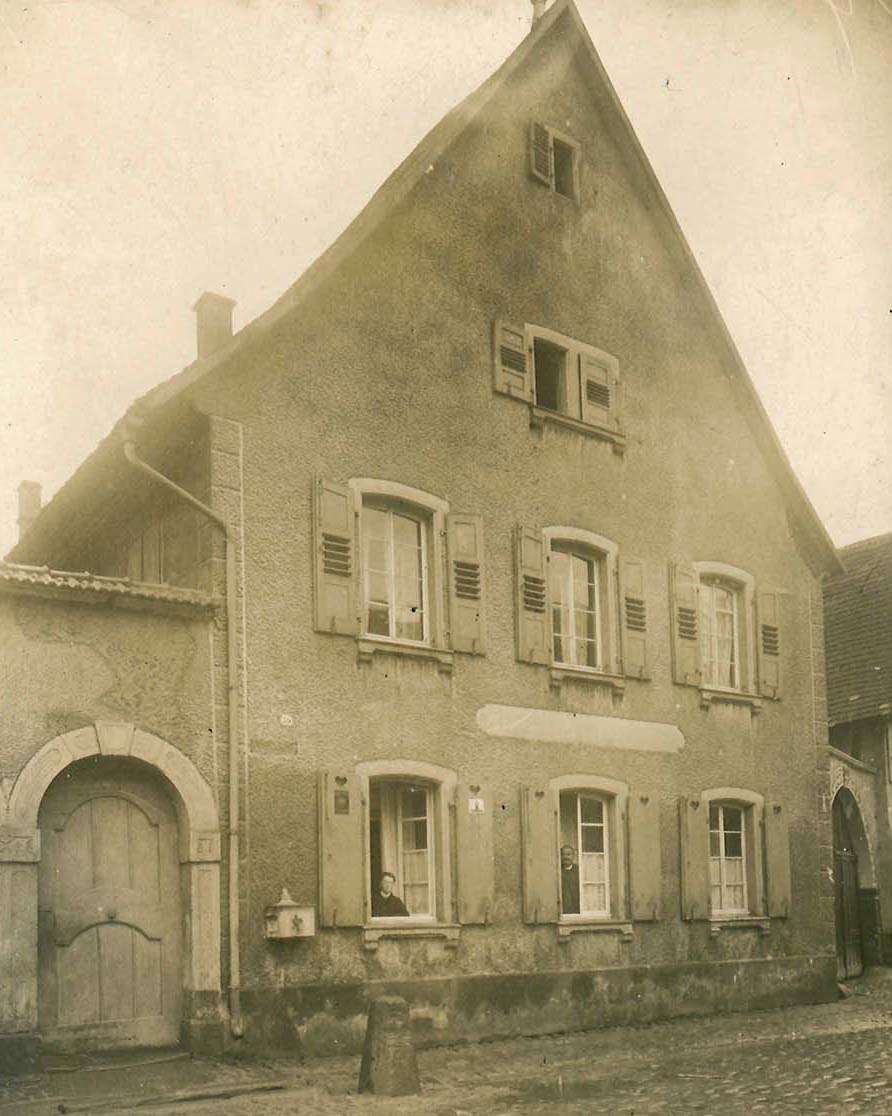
x=569, y=880
x=387, y=905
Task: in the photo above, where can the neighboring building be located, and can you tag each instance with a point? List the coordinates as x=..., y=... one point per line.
x=858, y=617
x=522, y=605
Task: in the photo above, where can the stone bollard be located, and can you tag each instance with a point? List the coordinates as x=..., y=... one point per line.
x=389, y=1068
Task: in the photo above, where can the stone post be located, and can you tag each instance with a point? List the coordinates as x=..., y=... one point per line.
x=389, y=1067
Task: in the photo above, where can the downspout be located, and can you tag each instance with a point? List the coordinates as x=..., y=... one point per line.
x=236, y=1023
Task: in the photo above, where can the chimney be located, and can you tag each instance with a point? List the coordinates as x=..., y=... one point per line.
x=29, y=505
x=538, y=10
x=213, y=322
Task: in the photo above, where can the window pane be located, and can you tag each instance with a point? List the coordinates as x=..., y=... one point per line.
x=733, y=845
x=733, y=819
x=591, y=810
x=374, y=523
x=592, y=839
x=377, y=620
x=414, y=802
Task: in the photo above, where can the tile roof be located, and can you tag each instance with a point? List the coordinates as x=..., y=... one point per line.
x=858, y=632
x=94, y=587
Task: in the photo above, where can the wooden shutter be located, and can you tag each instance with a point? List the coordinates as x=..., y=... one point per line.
x=633, y=617
x=538, y=817
x=777, y=861
x=597, y=390
x=474, y=845
x=693, y=816
x=341, y=850
x=685, y=627
x=533, y=623
x=645, y=859
x=512, y=371
x=464, y=537
x=541, y=153
x=768, y=637
x=335, y=560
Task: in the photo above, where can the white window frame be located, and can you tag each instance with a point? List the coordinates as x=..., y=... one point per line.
x=745, y=823
x=743, y=587
x=614, y=795
x=432, y=511
x=605, y=553
x=576, y=150
x=753, y=807
x=430, y=792
x=442, y=784
x=604, y=912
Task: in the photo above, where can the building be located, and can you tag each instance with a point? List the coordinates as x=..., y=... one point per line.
x=858, y=616
x=483, y=568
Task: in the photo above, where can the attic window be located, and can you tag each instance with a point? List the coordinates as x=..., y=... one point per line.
x=554, y=160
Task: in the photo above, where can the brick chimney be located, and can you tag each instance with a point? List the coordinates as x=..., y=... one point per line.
x=539, y=7
x=213, y=314
x=29, y=505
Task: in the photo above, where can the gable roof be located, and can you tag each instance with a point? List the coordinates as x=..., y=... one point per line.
x=562, y=17
x=858, y=632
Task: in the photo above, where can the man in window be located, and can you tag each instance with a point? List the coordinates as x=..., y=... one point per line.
x=387, y=905
x=569, y=880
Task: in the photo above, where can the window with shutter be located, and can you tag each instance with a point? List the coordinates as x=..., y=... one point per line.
x=335, y=595
x=511, y=366
x=533, y=631
x=685, y=626
x=722, y=858
x=769, y=649
x=633, y=619
x=554, y=160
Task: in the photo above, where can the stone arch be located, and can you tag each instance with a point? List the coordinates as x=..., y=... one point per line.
x=199, y=856
x=847, y=799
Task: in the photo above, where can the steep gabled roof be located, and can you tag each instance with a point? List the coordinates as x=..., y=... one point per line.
x=858, y=632
x=562, y=17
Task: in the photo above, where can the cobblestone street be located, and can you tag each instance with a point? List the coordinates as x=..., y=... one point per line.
x=830, y=1058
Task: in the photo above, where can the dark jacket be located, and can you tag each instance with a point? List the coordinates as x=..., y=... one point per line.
x=570, y=889
x=388, y=906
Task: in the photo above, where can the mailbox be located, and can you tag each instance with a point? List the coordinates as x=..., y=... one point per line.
x=286, y=920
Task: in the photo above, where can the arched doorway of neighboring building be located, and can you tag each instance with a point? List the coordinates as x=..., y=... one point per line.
x=851, y=871
x=110, y=939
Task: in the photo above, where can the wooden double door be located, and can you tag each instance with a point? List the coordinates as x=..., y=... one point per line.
x=110, y=913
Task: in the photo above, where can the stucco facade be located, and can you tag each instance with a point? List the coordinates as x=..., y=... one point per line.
x=378, y=372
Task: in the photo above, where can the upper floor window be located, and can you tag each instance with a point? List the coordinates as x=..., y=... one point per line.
x=395, y=571
x=563, y=379
x=395, y=567
x=554, y=160
x=726, y=636
x=580, y=609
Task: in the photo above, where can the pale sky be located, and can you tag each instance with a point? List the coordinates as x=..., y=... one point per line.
x=152, y=150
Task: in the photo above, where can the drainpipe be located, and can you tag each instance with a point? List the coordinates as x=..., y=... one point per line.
x=236, y=1024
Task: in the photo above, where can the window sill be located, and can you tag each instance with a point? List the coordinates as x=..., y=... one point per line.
x=539, y=417
x=373, y=932
x=569, y=926
x=741, y=922
x=560, y=672
x=709, y=695
x=368, y=646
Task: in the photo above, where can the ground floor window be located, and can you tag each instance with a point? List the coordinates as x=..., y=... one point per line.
x=584, y=854
x=402, y=867
x=727, y=858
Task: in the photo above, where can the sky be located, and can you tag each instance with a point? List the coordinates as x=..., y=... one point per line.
x=154, y=149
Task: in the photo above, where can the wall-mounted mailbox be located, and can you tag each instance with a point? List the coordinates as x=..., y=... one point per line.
x=286, y=920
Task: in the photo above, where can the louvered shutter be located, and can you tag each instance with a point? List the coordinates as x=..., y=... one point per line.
x=598, y=391
x=777, y=860
x=474, y=846
x=685, y=627
x=341, y=849
x=512, y=371
x=538, y=815
x=693, y=816
x=335, y=605
x=633, y=618
x=769, y=644
x=465, y=557
x=533, y=625
x=541, y=153
x=645, y=859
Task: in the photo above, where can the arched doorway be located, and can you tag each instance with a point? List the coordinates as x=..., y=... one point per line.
x=109, y=908
x=851, y=867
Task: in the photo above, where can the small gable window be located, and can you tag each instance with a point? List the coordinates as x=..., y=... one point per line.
x=554, y=160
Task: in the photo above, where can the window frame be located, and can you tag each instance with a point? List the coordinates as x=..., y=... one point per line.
x=432, y=511
x=614, y=795
x=752, y=807
x=441, y=784
x=742, y=584
x=723, y=910
x=605, y=555
x=430, y=792
x=572, y=387
x=576, y=155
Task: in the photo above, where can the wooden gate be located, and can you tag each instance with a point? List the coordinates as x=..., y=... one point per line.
x=849, y=952
x=109, y=909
